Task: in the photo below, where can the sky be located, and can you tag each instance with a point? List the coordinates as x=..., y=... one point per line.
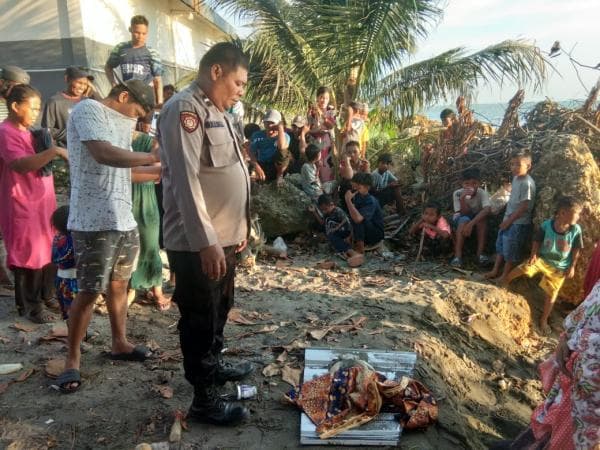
x=475, y=24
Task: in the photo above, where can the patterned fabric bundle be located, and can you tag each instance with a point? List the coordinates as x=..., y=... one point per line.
x=349, y=397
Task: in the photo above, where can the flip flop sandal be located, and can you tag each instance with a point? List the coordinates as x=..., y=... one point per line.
x=163, y=306
x=140, y=353
x=42, y=318
x=68, y=377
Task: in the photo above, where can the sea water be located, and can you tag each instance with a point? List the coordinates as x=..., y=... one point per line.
x=494, y=112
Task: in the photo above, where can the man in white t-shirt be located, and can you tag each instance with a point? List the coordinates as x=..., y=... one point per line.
x=471, y=209
x=104, y=231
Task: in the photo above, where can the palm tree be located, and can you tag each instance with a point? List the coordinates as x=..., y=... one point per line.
x=359, y=48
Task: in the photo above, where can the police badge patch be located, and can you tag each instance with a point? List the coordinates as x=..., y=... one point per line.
x=189, y=121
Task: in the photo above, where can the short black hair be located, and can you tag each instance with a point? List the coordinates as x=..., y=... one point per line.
x=471, y=174
x=169, y=87
x=250, y=129
x=324, y=199
x=323, y=90
x=568, y=202
x=363, y=178
x=447, y=113
x=385, y=158
x=20, y=93
x=521, y=153
x=433, y=205
x=139, y=20
x=227, y=54
x=312, y=152
x=352, y=144
x=59, y=218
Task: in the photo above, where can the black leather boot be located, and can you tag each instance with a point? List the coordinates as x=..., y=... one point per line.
x=208, y=407
x=230, y=372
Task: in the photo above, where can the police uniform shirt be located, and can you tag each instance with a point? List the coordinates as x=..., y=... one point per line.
x=206, y=187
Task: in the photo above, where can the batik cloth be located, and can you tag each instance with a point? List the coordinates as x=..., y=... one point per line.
x=570, y=413
x=352, y=396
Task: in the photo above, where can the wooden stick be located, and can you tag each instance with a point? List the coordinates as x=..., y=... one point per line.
x=419, y=255
x=588, y=123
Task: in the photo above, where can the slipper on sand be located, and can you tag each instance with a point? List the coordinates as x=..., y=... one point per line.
x=68, y=377
x=140, y=353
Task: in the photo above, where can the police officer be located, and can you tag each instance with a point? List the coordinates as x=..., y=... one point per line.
x=206, y=197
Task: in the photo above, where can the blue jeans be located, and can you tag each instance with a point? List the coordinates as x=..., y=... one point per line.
x=510, y=242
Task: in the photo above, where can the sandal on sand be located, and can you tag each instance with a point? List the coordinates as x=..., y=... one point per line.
x=163, y=305
x=67, y=378
x=140, y=353
x=42, y=317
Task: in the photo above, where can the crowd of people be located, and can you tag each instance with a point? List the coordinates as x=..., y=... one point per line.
x=182, y=182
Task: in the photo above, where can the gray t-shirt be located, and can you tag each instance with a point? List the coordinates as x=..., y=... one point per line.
x=310, y=181
x=523, y=188
x=100, y=194
x=381, y=180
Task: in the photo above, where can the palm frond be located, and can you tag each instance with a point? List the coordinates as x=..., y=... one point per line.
x=452, y=73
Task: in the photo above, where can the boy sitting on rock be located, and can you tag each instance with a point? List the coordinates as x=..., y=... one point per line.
x=337, y=229
x=516, y=226
x=365, y=213
x=471, y=210
x=554, y=254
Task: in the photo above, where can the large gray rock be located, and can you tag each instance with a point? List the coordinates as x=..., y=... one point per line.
x=282, y=210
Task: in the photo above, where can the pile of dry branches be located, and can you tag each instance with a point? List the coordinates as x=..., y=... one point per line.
x=467, y=145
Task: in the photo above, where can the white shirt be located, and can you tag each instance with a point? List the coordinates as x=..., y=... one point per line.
x=100, y=194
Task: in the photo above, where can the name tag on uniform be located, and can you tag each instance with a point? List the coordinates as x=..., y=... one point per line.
x=213, y=124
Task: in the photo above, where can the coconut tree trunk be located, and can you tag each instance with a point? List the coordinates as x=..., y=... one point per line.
x=351, y=85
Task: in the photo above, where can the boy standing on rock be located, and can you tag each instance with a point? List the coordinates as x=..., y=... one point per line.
x=516, y=226
x=555, y=251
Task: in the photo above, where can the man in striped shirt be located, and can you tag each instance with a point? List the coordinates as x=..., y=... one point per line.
x=136, y=60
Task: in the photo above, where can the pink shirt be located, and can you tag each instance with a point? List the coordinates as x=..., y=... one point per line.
x=28, y=202
x=442, y=224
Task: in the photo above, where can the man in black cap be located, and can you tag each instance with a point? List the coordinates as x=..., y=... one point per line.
x=59, y=106
x=104, y=231
x=10, y=76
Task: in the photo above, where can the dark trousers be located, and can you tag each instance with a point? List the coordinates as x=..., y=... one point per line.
x=158, y=190
x=203, y=305
x=367, y=232
x=339, y=239
x=32, y=287
x=436, y=246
